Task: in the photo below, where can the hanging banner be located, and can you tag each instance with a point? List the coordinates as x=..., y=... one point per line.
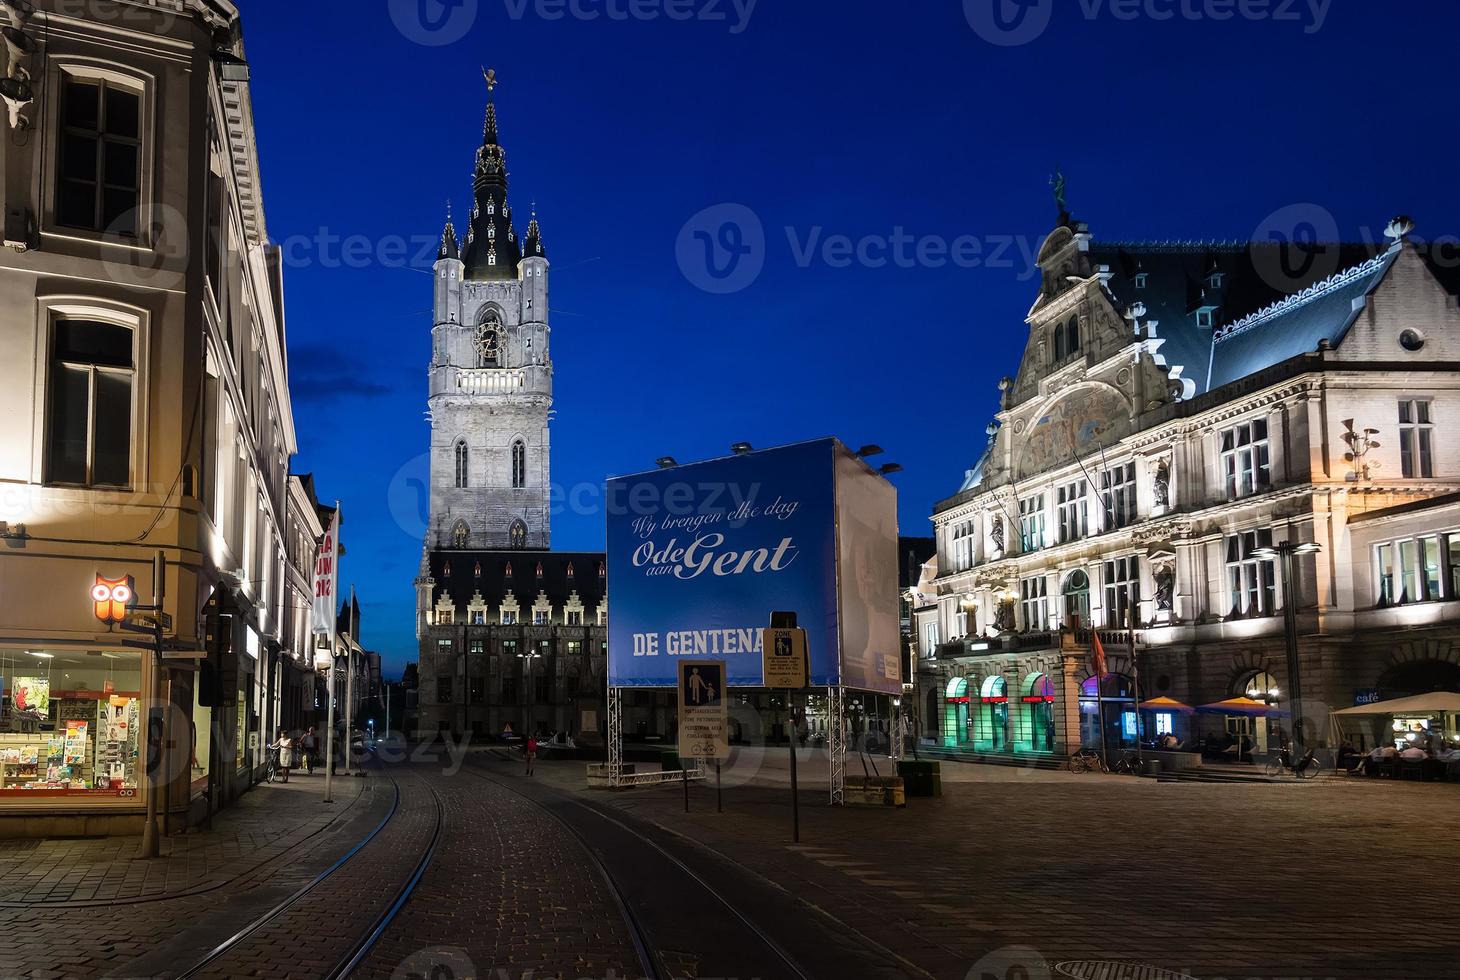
x=326, y=579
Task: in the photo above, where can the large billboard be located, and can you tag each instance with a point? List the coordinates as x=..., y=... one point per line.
x=700, y=556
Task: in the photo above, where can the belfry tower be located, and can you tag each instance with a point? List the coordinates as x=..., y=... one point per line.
x=491, y=373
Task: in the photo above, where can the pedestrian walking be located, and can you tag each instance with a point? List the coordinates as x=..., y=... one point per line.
x=308, y=745
x=531, y=752
x=284, y=745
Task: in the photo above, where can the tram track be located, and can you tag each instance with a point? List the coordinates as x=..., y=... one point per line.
x=643, y=919
x=231, y=956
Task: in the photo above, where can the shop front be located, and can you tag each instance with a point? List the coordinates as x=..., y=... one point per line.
x=955, y=713
x=69, y=726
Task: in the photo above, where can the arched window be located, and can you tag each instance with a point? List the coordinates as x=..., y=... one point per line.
x=462, y=458
x=519, y=465
x=461, y=535
x=517, y=537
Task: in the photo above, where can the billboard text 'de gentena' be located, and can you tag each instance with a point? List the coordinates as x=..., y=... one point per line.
x=700, y=556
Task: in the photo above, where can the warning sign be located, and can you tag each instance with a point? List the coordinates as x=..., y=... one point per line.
x=784, y=653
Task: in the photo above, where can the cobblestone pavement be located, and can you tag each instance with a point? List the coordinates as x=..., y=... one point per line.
x=96, y=910
x=1025, y=870
x=264, y=823
x=510, y=890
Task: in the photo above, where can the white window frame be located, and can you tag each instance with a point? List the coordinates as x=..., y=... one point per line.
x=1032, y=528
x=1250, y=580
x=962, y=534
x=1034, y=602
x=1122, y=588
x=1408, y=580
x=1246, y=466
x=63, y=68
x=1417, y=438
x=930, y=639
x=1072, y=504
x=1118, y=496
x=56, y=308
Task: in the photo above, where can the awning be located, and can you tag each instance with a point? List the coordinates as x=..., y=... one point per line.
x=1420, y=704
x=1241, y=706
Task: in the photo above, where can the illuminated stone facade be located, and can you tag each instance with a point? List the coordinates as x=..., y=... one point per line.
x=1178, y=407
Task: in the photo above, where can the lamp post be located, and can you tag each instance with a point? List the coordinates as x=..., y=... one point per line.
x=527, y=659
x=1285, y=552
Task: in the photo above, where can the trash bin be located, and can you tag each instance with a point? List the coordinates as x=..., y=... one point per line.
x=1152, y=768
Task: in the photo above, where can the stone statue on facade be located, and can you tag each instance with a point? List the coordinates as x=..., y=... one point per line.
x=1161, y=487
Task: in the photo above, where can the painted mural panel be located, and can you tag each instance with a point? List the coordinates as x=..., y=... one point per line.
x=1074, y=425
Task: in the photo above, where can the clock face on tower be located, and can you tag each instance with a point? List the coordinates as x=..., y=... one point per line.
x=489, y=345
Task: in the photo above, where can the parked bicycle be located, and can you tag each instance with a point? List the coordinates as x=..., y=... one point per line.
x=1305, y=768
x=1087, y=760
x=271, y=765
x=1129, y=764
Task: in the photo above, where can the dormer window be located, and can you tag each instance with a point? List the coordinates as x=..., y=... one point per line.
x=491, y=207
x=1206, y=317
x=491, y=231
x=1214, y=280
x=1143, y=279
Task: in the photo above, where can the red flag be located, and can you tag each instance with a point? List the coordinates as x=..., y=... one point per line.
x=1097, y=655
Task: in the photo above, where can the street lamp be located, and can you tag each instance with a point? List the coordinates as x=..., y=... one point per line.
x=527, y=659
x=1285, y=552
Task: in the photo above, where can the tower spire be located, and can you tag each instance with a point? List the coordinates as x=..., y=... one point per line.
x=492, y=250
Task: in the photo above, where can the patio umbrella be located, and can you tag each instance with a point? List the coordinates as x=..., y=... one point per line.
x=1167, y=704
x=1242, y=706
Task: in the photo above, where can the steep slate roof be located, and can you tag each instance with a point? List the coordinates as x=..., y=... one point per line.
x=461, y=579
x=1254, y=276
x=1296, y=325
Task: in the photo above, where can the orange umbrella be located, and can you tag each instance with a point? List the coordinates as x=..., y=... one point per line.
x=1167, y=704
x=1241, y=706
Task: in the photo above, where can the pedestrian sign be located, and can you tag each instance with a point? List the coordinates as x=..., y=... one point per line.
x=703, y=722
x=785, y=660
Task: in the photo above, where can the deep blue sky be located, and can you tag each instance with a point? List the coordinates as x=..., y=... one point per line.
x=855, y=117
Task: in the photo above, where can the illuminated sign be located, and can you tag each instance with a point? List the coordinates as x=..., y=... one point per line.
x=109, y=598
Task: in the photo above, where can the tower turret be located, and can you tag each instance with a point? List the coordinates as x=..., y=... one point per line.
x=492, y=250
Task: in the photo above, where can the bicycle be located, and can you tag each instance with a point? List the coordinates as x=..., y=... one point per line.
x=1306, y=768
x=271, y=766
x=1087, y=760
x=1129, y=764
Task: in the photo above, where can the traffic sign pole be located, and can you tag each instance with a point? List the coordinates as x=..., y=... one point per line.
x=795, y=796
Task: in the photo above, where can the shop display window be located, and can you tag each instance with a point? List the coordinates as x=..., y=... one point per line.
x=69, y=724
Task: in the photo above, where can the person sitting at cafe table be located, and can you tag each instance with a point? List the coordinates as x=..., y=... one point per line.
x=1348, y=756
x=1382, y=754
x=1414, y=753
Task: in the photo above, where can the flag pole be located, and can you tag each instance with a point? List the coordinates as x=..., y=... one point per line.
x=350, y=679
x=1099, y=657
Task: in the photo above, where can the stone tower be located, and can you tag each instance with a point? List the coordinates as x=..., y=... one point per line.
x=491, y=374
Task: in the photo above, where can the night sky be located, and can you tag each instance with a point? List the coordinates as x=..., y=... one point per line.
x=870, y=120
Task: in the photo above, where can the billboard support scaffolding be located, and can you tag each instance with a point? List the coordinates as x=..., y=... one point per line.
x=615, y=736
x=836, y=743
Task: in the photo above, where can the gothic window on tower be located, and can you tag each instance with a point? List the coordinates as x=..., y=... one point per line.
x=518, y=535
x=463, y=457
x=460, y=535
x=519, y=465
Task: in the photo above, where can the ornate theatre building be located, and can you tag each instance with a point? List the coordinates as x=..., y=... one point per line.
x=1181, y=412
